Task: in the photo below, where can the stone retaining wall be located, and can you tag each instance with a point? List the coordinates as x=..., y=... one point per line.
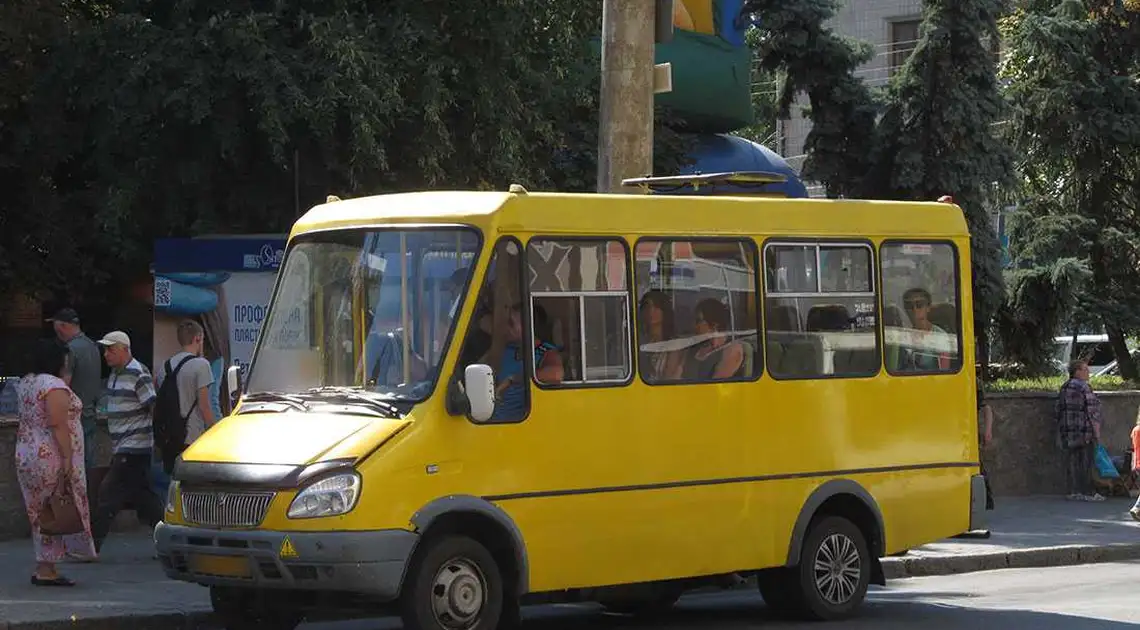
x=1023, y=460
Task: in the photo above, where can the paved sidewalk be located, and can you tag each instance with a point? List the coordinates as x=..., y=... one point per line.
x=126, y=590
x=1031, y=532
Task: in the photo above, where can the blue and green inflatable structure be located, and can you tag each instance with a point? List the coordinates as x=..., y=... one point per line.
x=712, y=96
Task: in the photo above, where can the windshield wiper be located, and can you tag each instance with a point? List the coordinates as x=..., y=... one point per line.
x=294, y=402
x=358, y=396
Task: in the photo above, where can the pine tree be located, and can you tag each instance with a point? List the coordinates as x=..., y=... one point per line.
x=937, y=136
x=1071, y=72
x=793, y=40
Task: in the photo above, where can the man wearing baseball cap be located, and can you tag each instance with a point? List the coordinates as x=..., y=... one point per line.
x=85, y=382
x=127, y=406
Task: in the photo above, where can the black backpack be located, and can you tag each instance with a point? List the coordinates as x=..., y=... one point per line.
x=169, y=423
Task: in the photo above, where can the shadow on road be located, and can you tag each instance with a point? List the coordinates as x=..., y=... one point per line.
x=743, y=611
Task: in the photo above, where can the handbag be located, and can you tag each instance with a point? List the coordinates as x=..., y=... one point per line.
x=59, y=515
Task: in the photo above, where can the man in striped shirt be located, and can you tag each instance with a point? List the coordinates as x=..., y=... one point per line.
x=127, y=403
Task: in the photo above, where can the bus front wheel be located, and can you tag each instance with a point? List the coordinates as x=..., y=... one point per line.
x=455, y=584
x=834, y=570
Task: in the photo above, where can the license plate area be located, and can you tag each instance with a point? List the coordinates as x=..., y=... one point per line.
x=220, y=566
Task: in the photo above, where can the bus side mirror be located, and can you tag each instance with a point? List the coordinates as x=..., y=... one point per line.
x=232, y=387
x=479, y=385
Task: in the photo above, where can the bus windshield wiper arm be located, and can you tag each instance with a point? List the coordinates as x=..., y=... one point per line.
x=359, y=396
x=296, y=402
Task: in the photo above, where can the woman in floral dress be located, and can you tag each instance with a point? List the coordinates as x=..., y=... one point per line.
x=49, y=448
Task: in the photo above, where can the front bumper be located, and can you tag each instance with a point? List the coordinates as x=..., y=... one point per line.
x=363, y=563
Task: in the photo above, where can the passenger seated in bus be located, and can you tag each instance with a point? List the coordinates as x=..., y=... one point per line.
x=510, y=392
x=917, y=302
x=717, y=357
x=655, y=312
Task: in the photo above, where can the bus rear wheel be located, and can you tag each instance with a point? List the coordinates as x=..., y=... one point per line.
x=834, y=571
x=455, y=584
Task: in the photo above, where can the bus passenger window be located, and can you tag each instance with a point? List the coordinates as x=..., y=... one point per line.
x=920, y=288
x=821, y=310
x=697, y=311
x=579, y=302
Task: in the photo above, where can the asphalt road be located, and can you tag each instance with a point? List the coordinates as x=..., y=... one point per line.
x=1088, y=597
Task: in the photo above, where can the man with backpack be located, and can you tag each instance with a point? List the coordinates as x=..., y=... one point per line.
x=182, y=410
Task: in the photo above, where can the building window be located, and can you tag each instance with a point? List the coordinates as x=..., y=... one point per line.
x=904, y=39
x=697, y=311
x=579, y=298
x=921, y=322
x=820, y=309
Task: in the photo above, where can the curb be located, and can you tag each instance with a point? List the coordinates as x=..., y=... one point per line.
x=1040, y=557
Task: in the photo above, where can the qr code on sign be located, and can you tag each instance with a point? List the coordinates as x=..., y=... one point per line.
x=161, y=292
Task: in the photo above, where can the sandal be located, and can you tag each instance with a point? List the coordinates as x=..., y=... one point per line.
x=58, y=580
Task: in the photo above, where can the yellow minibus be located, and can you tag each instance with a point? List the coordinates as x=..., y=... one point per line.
x=713, y=390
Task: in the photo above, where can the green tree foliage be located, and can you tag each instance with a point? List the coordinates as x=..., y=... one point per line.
x=791, y=39
x=1072, y=79
x=937, y=136
x=181, y=117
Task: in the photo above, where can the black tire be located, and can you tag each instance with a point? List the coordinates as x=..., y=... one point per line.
x=839, y=586
x=780, y=589
x=245, y=609
x=454, y=583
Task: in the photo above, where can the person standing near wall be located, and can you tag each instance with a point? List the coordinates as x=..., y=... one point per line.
x=1078, y=431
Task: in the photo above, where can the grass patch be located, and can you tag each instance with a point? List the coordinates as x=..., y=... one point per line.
x=1053, y=383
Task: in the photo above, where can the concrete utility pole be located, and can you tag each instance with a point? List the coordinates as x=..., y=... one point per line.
x=625, y=138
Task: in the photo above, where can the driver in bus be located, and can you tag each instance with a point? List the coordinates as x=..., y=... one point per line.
x=510, y=391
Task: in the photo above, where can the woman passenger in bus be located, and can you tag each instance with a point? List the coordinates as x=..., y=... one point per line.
x=717, y=358
x=510, y=392
x=656, y=314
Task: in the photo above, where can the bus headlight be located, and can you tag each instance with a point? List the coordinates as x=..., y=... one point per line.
x=331, y=496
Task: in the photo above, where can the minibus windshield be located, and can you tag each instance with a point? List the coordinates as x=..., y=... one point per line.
x=368, y=309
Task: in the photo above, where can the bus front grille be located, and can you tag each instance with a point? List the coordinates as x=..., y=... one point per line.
x=216, y=508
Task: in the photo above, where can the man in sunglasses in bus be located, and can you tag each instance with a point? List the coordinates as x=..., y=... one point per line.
x=922, y=354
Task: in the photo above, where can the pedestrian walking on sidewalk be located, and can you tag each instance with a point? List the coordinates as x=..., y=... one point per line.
x=86, y=367
x=1135, y=511
x=49, y=452
x=127, y=404
x=192, y=392
x=1078, y=431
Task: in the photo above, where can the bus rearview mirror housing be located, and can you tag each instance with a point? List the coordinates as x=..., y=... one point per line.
x=479, y=385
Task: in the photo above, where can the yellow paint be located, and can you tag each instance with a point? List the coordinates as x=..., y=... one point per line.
x=292, y=437
x=700, y=15
x=638, y=434
x=681, y=17
x=287, y=549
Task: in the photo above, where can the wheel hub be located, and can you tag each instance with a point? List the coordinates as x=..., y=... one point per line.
x=837, y=569
x=459, y=592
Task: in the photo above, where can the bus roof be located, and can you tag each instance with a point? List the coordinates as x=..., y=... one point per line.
x=662, y=215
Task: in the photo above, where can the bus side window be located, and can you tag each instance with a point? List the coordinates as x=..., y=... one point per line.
x=697, y=311
x=920, y=290
x=822, y=314
x=580, y=289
